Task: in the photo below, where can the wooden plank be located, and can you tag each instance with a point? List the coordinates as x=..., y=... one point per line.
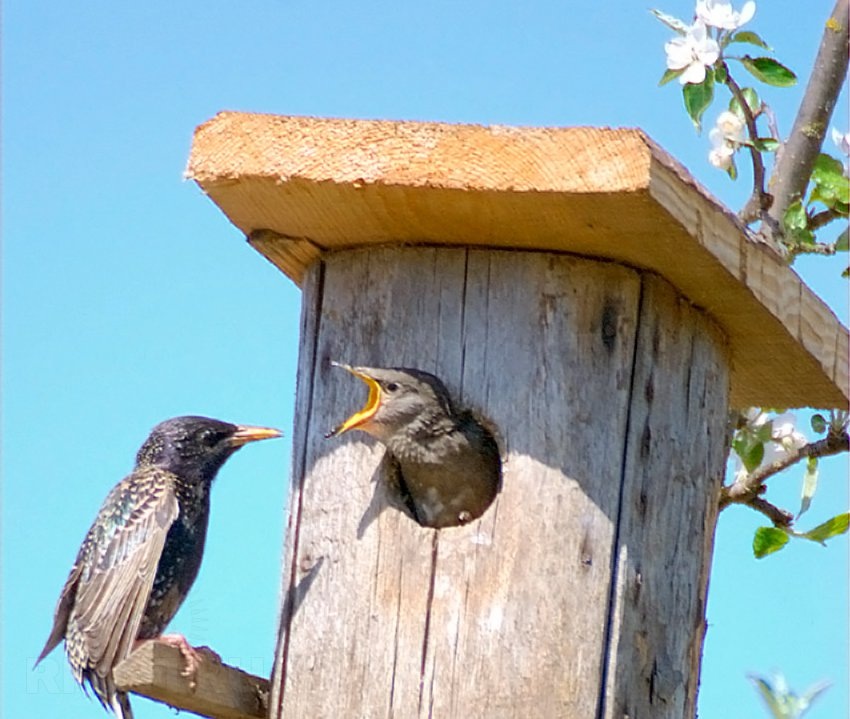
x=521, y=600
x=754, y=271
x=599, y=192
x=403, y=621
x=298, y=572
x=155, y=671
x=350, y=638
x=674, y=462
x=291, y=254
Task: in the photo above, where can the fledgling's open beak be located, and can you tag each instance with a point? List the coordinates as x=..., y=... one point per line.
x=246, y=433
x=373, y=401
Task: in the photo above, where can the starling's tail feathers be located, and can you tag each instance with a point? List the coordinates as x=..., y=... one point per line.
x=120, y=704
x=60, y=616
x=110, y=698
x=51, y=644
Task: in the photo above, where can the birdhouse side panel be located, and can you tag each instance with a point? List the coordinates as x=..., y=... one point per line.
x=675, y=459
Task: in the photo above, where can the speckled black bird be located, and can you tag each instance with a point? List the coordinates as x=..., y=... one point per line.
x=143, y=551
x=449, y=462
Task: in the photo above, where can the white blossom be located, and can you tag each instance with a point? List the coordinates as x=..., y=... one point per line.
x=719, y=14
x=726, y=137
x=732, y=126
x=721, y=153
x=692, y=53
x=784, y=438
x=842, y=140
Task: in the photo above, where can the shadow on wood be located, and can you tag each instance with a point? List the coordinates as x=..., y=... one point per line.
x=155, y=669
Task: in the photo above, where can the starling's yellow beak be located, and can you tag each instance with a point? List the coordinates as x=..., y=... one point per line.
x=245, y=434
x=373, y=401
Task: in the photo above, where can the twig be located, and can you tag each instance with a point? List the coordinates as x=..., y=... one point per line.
x=793, y=167
x=822, y=218
x=746, y=489
x=779, y=517
x=772, y=124
x=819, y=248
x=759, y=201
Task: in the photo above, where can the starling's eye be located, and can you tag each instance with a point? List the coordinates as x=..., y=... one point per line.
x=390, y=387
x=210, y=438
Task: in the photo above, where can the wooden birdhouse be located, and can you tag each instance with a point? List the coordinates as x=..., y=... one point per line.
x=582, y=293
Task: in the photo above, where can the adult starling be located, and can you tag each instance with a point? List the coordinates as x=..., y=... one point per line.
x=449, y=462
x=143, y=552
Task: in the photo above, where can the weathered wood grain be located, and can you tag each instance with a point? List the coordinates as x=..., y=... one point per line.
x=673, y=469
x=329, y=184
x=520, y=602
x=516, y=613
x=155, y=670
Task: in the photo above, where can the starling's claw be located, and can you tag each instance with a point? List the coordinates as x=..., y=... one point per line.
x=193, y=656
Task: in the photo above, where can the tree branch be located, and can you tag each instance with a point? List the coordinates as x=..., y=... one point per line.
x=759, y=200
x=779, y=517
x=823, y=218
x=794, y=165
x=819, y=248
x=748, y=488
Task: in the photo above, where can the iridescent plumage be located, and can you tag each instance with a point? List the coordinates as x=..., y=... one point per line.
x=142, y=553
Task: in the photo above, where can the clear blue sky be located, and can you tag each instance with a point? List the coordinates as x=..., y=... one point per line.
x=128, y=298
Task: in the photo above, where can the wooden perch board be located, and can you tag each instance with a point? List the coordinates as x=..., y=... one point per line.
x=155, y=669
x=312, y=186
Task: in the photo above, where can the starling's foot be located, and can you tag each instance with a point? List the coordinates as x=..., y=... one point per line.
x=193, y=655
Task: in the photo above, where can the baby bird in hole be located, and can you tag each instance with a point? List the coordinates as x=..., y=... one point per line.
x=449, y=462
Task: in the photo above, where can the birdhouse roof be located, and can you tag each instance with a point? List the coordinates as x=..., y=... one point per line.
x=298, y=187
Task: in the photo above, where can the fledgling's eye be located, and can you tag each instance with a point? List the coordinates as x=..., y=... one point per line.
x=390, y=387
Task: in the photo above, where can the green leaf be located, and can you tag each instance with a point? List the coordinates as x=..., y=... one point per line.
x=845, y=273
x=749, y=37
x=753, y=457
x=830, y=528
x=668, y=76
x=842, y=244
x=732, y=170
x=829, y=165
x=768, y=540
x=698, y=97
x=819, y=423
x=752, y=99
x=796, y=224
x=721, y=73
x=810, y=484
x=672, y=22
x=766, y=144
x=749, y=446
x=830, y=183
x=795, y=217
x=769, y=71
x=764, y=433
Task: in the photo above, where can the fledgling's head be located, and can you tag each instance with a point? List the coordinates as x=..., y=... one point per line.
x=197, y=446
x=400, y=399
